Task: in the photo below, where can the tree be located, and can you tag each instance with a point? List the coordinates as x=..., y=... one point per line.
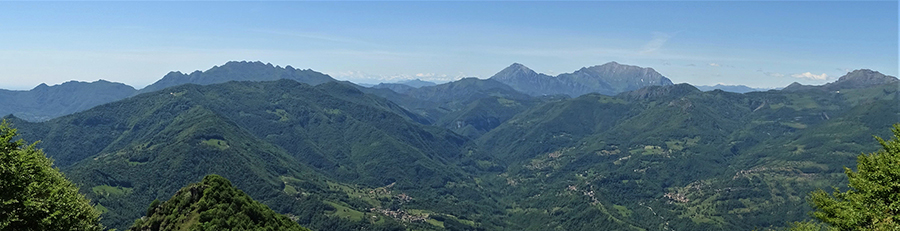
x=36, y=196
x=873, y=202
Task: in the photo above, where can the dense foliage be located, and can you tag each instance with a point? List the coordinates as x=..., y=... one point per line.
x=873, y=202
x=35, y=196
x=212, y=204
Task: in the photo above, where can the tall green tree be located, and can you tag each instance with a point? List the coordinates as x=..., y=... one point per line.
x=873, y=202
x=36, y=196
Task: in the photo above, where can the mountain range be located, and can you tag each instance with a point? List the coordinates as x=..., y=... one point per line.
x=475, y=154
x=239, y=71
x=852, y=80
x=47, y=102
x=608, y=79
x=417, y=83
x=731, y=88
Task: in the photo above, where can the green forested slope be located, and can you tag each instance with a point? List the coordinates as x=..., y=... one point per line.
x=300, y=149
x=469, y=106
x=676, y=158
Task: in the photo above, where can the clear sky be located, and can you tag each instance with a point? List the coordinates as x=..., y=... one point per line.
x=759, y=44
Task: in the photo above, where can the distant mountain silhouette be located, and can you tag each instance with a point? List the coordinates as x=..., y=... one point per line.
x=396, y=87
x=239, y=71
x=731, y=88
x=404, y=86
x=417, y=83
x=862, y=78
x=608, y=79
x=47, y=102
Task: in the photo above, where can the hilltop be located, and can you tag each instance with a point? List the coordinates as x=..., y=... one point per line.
x=212, y=204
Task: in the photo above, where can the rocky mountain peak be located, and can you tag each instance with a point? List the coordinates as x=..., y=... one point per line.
x=609, y=79
x=866, y=76
x=513, y=71
x=614, y=67
x=42, y=86
x=861, y=78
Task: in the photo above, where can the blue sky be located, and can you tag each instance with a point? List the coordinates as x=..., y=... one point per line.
x=759, y=44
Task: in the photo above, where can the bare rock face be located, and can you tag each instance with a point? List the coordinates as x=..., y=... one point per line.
x=862, y=78
x=614, y=78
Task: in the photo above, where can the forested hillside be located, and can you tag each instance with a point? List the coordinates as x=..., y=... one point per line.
x=677, y=158
x=477, y=154
x=300, y=149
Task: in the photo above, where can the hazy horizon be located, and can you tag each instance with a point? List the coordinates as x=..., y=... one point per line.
x=757, y=44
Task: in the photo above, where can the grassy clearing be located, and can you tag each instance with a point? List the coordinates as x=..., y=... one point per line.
x=507, y=102
x=623, y=211
x=648, y=150
x=370, y=196
x=333, y=111
x=109, y=191
x=794, y=125
x=281, y=113
x=101, y=208
x=345, y=212
x=216, y=143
